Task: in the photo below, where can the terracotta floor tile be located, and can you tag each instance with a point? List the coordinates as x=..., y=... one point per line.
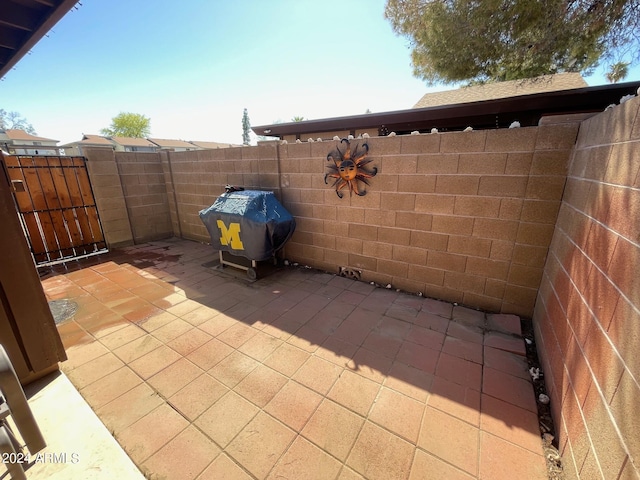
x=193, y=312
x=398, y=413
x=504, y=323
x=233, y=368
x=184, y=457
x=169, y=300
x=141, y=312
x=425, y=337
x=352, y=331
x=378, y=454
x=129, y=407
x=318, y=374
x=370, y=365
x=146, y=436
x=93, y=370
x=431, y=321
x=468, y=316
x=307, y=338
x=260, y=346
x=154, y=361
x=450, y=439
x=382, y=344
x=460, y=371
x=96, y=323
x=216, y=325
x=122, y=336
x=210, y=354
x=506, y=362
x=223, y=468
x=336, y=351
x=465, y=332
x=172, y=330
x=457, y=400
x=137, y=348
x=504, y=342
x=325, y=322
x=437, y=307
x=171, y=379
x=108, y=330
x=402, y=312
x=394, y=328
x=508, y=388
x=500, y=460
x=198, y=396
x=260, y=444
x=110, y=387
x=293, y=404
x=354, y=392
x=333, y=428
x=305, y=461
x=237, y=334
x=225, y=418
x=287, y=359
x=510, y=423
x=261, y=385
x=426, y=465
x=189, y=341
x=418, y=356
x=463, y=349
x=81, y=354
x=410, y=381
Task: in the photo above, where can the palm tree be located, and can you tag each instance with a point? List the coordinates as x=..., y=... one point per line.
x=297, y=119
x=618, y=71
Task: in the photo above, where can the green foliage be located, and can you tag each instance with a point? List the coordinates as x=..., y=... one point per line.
x=13, y=120
x=297, y=119
x=497, y=40
x=246, y=128
x=127, y=124
x=618, y=71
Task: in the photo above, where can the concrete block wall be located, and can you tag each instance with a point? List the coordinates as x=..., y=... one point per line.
x=461, y=216
x=145, y=192
x=107, y=189
x=587, y=316
x=199, y=177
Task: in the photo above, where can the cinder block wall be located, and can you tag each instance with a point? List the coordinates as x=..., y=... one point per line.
x=199, y=177
x=107, y=189
x=587, y=316
x=145, y=193
x=462, y=216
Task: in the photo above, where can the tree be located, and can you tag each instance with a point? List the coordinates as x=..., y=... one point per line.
x=246, y=128
x=127, y=124
x=13, y=120
x=297, y=119
x=496, y=40
x=618, y=71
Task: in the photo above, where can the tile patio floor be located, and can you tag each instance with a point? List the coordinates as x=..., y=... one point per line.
x=200, y=374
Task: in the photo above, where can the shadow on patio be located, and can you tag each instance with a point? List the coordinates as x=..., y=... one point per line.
x=199, y=373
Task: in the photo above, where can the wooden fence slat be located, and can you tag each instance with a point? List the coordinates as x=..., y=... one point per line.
x=71, y=174
x=64, y=197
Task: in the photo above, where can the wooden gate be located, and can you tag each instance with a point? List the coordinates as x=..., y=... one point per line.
x=57, y=207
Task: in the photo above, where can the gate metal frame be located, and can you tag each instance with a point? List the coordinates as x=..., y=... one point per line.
x=56, y=206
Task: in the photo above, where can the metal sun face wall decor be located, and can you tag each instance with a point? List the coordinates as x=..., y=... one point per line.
x=348, y=168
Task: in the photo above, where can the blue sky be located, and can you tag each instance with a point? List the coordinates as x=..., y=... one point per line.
x=193, y=66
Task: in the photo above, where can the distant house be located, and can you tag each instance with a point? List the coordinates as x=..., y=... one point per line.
x=173, y=145
x=93, y=141
x=19, y=142
x=129, y=144
x=212, y=145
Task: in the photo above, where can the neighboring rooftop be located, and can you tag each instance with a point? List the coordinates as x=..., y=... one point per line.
x=212, y=145
x=15, y=134
x=513, y=88
x=132, y=142
x=167, y=143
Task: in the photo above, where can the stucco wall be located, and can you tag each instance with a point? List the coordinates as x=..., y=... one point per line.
x=587, y=316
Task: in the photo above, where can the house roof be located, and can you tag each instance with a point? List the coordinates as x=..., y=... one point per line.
x=513, y=88
x=165, y=143
x=212, y=145
x=23, y=23
x=92, y=140
x=496, y=113
x=133, y=142
x=15, y=134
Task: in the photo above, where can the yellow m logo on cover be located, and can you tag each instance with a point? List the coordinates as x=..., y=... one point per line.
x=231, y=235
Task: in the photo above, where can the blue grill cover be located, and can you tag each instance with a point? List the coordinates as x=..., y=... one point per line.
x=249, y=223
